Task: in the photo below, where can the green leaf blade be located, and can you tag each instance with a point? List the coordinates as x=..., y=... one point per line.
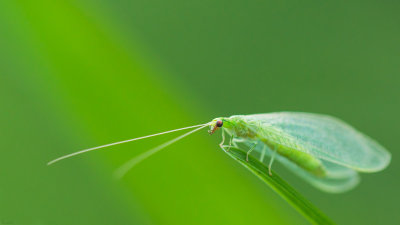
x=287, y=192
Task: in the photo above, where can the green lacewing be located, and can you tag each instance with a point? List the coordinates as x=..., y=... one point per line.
x=323, y=150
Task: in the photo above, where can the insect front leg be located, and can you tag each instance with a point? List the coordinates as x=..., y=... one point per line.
x=250, y=150
x=230, y=143
x=223, y=138
x=222, y=146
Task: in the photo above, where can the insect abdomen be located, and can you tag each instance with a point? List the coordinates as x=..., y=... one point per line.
x=303, y=160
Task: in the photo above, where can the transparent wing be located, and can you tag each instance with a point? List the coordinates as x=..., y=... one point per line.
x=325, y=137
x=338, y=178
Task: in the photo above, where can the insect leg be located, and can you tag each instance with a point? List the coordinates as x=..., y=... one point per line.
x=221, y=145
x=271, y=161
x=251, y=149
x=230, y=143
x=223, y=138
x=263, y=153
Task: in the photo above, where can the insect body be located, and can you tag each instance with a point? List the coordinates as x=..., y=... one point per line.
x=323, y=150
x=251, y=129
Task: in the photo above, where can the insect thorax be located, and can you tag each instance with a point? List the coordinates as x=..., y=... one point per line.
x=239, y=126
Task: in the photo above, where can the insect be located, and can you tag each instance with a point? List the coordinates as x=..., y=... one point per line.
x=323, y=150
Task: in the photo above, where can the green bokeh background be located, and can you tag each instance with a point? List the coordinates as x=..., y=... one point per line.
x=76, y=74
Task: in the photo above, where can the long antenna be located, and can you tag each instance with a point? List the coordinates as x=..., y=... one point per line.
x=121, y=171
x=120, y=142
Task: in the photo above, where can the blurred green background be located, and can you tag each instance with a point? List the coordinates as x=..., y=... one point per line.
x=76, y=74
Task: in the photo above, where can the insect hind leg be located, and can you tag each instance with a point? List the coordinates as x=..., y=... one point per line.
x=263, y=153
x=271, y=161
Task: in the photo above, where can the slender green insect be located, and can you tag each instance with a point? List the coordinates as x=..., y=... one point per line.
x=323, y=150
